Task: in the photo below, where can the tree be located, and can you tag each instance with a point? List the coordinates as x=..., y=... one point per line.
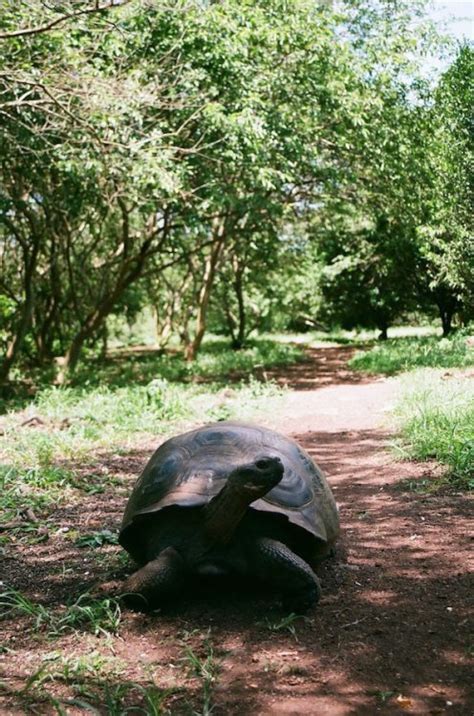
x=447, y=233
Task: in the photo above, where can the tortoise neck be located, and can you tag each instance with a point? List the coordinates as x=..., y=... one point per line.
x=224, y=512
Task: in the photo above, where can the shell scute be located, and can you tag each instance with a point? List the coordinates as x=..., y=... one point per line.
x=189, y=469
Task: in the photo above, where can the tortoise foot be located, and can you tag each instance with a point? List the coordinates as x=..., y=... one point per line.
x=155, y=583
x=302, y=601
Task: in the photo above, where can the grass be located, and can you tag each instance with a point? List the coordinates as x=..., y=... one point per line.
x=402, y=354
x=96, y=684
x=436, y=417
x=206, y=667
x=216, y=362
x=287, y=623
x=99, y=616
x=120, y=405
x=436, y=411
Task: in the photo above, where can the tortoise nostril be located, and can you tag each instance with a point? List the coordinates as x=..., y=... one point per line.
x=263, y=464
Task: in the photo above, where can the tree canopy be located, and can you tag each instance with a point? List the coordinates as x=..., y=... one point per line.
x=244, y=164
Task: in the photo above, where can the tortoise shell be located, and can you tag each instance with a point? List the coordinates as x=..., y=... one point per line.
x=189, y=469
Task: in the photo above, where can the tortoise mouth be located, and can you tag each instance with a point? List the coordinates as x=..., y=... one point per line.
x=257, y=478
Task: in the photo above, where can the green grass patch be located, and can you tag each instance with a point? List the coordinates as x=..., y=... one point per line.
x=436, y=414
x=216, y=362
x=403, y=354
x=99, y=616
x=32, y=487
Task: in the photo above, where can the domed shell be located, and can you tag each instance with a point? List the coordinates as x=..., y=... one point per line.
x=189, y=469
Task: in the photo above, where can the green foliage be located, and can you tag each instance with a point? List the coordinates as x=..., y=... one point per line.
x=276, y=164
x=436, y=414
x=97, y=539
x=402, y=354
x=447, y=235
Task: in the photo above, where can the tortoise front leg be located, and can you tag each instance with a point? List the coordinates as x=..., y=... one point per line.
x=156, y=582
x=280, y=567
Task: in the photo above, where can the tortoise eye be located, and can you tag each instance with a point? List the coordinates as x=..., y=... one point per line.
x=263, y=464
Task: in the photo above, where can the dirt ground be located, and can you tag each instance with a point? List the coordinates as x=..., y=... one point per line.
x=390, y=634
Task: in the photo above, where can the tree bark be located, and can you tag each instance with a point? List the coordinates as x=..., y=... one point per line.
x=14, y=346
x=241, y=313
x=212, y=261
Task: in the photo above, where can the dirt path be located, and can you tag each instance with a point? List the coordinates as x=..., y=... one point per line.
x=390, y=633
x=403, y=604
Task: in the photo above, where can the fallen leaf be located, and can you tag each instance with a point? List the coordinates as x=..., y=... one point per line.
x=404, y=702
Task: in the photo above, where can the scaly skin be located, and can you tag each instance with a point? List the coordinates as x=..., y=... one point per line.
x=158, y=581
x=277, y=565
x=264, y=558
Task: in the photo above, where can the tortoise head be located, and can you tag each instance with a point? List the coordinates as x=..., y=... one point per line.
x=255, y=479
x=245, y=484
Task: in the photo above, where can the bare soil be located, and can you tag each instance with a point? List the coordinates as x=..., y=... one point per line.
x=390, y=634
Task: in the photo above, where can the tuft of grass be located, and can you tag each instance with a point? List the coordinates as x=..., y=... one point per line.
x=100, y=616
x=403, y=354
x=286, y=623
x=436, y=415
x=33, y=487
x=96, y=684
x=205, y=666
x=14, y=603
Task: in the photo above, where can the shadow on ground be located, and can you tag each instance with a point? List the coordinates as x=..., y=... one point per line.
x=390, y=631
x=321, y=367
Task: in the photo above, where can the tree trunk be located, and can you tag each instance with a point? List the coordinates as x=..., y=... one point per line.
x=69, y=363
x=447, y=306
x=229, y=317
x=92, y=324
x=14, y=346
x=242, y=316
x=383, y=335
x=446, y=322
x=210, y=267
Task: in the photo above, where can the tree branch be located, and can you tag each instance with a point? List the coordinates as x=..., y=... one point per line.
x=53, y=23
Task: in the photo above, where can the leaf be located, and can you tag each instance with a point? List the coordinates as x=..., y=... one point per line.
x=404, y=702
x=97, y=539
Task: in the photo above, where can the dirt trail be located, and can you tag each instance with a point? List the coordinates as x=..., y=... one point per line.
x=390, y=633
x=393, y=637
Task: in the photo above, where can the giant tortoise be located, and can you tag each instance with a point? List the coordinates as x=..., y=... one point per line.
x=229, y=499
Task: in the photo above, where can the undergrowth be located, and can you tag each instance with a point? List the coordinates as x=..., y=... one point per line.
x=215, y=362
x=436, y=416
x=402, y=354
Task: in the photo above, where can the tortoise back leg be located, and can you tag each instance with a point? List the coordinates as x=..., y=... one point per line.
x=156, y=582
x=281, y=568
